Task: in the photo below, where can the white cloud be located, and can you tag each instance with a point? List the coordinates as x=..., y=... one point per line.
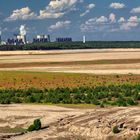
x=91, y=6
x=132, y=22
x=112, y=18
x=135, y=10
x=94, y=24
x=44, y=14
x=22, y=14
x=60, y=5
x=55, y=9
x=101, y=19
x=117, y=5
x=109, y=24
x=59, y=25
x=133, y=19
x=121, y=20
x=88, y=9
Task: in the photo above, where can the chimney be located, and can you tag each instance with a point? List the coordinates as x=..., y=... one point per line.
x=84, y=39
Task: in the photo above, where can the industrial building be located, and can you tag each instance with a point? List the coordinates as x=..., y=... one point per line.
x=67, y=39
x=17, y=40
x=42, y=39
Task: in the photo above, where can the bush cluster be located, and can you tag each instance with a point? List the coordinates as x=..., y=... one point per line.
x=35, y=126
x=116, y=130
x=119, y=95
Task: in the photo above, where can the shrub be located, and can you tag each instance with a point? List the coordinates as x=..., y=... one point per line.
x=116, y=130
x=35, y=126
x=121, y=102
x=131, y=101
x=102, y=105
x=31, y=128
x=138, y=138
x=6, y=101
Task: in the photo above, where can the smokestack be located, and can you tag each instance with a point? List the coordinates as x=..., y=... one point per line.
x=0, y=37
x=84, y=39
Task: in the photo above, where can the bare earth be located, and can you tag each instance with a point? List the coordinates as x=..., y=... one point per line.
x=44, y=61
x=72, y=124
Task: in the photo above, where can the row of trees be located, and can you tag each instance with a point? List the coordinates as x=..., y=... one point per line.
x=120, y=95
x=74, y=45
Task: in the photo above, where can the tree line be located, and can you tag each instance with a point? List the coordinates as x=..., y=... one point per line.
x=73, y=45
x=119, y=95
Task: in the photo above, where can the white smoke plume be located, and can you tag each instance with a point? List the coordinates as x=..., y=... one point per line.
x=22, y=30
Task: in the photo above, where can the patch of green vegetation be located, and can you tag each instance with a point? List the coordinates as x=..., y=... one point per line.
x=119, y=95
x=116, y=130
x=35, y=126
x=73, y=45
x=138, y=137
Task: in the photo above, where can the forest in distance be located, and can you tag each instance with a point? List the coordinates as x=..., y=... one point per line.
x=72, y=45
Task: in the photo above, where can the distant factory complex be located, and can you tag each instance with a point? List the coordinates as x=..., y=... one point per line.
x=21, y=39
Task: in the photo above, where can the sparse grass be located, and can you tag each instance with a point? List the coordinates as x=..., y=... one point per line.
x=11, y=130
x=25, y=80
x=77, y=106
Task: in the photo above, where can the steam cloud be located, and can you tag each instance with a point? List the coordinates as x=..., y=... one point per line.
x=22, y=30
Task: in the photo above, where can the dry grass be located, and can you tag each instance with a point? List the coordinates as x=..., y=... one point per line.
x=11, y=130
x=15, y=79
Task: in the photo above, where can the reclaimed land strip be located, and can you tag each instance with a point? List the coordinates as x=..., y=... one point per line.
x=23, y=80
x=45, y=64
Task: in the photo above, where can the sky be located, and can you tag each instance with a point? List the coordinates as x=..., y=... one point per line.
x=96, y=19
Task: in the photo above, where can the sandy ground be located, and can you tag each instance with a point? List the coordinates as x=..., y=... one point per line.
x=19, y=57
x=23, y=115
x=72, y=124
x=64, y=51
x=69, y=57
x=73, y=56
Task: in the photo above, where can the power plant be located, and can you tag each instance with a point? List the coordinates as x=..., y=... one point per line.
x=42, y=39
x=67, y=39
x=18, y=39
x=21, y=38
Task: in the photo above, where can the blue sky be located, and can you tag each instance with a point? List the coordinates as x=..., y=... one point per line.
x=97, y=19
